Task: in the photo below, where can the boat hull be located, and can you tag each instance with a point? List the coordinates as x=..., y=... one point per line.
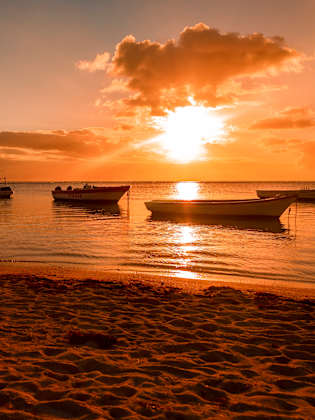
x=5, y=194
x=302, y=195
x=270, y=207
x=96, y=194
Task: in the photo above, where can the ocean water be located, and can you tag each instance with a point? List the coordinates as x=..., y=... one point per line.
x=34, y=228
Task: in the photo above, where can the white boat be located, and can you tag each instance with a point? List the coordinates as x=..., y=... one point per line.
x=5, y=189
x=90, y=193
x=302, y=195
x=268, y=207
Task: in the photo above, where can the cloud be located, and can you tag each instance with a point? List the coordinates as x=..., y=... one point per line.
x=290, y=118
x=278, y=141
x=283, y=123
x=77, y=143
x=308, y=151
x=100, y=62
x=117, y=85
x=299, y=151
x=302, y=111
x=90, y=145
x=198, y=65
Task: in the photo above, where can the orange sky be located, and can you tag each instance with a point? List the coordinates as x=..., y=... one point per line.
x=152, y=92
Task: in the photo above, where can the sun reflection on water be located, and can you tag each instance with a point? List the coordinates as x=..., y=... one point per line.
x=187, y=190
x=184, y=244
x=186, y=238
x=180, y=274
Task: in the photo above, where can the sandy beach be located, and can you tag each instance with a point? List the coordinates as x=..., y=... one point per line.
x=89, y=349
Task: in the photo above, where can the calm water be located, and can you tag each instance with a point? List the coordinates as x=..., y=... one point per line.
x=36, y=229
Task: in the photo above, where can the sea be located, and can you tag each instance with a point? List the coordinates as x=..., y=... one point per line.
x=125, y=237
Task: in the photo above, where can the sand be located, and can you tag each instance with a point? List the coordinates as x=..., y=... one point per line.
x=86, y=349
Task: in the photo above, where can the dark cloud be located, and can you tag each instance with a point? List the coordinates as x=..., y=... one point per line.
x=163, y=76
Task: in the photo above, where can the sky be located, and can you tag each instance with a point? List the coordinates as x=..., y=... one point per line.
x=117, y=90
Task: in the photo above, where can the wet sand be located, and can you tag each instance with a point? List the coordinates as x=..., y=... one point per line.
x=85, y=349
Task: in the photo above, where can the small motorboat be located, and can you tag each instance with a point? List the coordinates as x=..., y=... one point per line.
x=302, y=195
x=5, y=189
x=90, y=193
x=268, y=207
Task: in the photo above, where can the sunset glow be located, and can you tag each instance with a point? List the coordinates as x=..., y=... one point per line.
x=187, y=130
x=143, y=273
x=208, y=95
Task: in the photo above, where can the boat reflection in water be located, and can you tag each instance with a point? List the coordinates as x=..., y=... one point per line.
x=263, y=224
x=102, y=209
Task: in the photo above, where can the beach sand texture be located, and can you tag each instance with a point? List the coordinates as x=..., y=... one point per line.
x=108, y=350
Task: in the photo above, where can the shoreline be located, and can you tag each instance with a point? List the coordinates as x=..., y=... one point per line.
x=291, y=290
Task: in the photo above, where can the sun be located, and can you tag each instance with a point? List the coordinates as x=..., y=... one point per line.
x=187, y=130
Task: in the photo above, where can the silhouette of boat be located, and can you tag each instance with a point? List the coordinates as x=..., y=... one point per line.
x=90, y=193
x=268, y=207
x=5, y=189
x=302, y=194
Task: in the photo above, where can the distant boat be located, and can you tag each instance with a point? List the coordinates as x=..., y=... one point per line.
x=5, y=189
x=302, y=195
x=90, y=193
x=268, y=207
